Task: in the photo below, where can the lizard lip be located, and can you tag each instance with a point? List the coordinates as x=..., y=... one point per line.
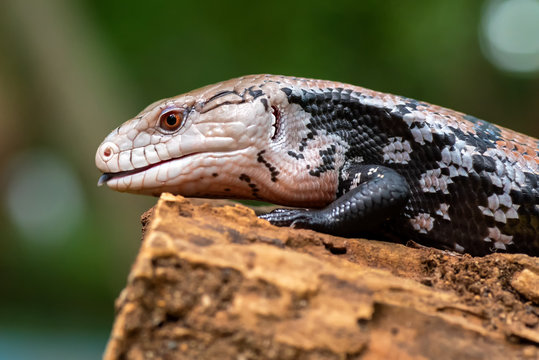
x=103, y=179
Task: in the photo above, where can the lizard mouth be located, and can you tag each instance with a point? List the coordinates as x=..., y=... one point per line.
x=103, y=179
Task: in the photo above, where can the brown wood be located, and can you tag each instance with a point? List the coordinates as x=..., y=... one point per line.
x=215, y=282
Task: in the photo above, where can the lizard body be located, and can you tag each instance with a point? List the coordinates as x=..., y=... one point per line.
x=360, y=161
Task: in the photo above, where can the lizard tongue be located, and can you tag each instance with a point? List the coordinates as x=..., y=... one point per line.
x=103, y=179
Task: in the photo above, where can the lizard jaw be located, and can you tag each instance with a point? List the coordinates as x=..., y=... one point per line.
x=105, y=177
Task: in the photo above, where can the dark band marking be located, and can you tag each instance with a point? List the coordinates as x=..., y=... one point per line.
x=241, y=100
x=328, y=161
x=255, y=93
x=295, y=156
x=244, y=177
x=220, y=94
x=254, y=188
x=265, y=103
x=273, y=171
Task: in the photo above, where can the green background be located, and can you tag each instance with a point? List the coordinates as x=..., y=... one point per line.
x=71, y=71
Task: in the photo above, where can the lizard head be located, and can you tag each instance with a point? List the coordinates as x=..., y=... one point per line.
x=202, y=143
x=226, y=140
x=195, y=144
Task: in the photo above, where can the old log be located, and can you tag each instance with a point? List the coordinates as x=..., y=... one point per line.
x=212, y=281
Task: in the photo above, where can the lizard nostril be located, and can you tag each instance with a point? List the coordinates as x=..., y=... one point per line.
x=108, y=150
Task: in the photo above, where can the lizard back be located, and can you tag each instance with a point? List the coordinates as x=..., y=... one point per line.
x=474, y=184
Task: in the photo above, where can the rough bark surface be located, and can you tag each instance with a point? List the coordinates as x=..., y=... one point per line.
x=213, y=281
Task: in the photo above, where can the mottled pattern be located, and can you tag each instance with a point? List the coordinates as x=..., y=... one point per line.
x=473, y=186
x=448, y=159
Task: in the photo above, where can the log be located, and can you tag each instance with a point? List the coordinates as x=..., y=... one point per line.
x=212, y=281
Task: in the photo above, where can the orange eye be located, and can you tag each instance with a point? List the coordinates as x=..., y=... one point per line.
x=171, y=120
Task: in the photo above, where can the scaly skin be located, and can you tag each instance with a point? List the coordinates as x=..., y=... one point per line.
x=361, y=161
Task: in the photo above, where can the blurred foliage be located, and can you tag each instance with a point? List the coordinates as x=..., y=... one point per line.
x=72, y=71
x=423, y=49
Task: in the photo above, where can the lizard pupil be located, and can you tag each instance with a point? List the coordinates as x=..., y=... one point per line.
x=172, y=119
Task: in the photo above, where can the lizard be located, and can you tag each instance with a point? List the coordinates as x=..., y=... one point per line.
x=353, y=161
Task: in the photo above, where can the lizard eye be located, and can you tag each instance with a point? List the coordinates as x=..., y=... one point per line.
x=171, y=119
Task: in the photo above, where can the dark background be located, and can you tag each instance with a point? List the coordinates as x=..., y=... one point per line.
x=71, y=71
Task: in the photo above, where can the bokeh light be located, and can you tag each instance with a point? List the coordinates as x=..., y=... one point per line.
x=43, y=197
x=510, y=34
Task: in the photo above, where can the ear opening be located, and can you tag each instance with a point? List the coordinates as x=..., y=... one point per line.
x=276, y=121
